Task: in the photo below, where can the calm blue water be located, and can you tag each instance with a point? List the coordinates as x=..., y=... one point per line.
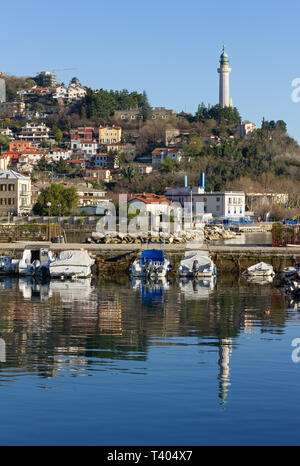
x=127, y=364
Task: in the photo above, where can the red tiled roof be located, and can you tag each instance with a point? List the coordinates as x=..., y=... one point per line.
x=151, y=198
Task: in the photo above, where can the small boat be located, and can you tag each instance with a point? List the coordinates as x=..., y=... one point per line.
x=260, y=270
x=35, y=261
x=8, y=266
x=151, y=263
x=288, y=273
x=72, y=264
x=196, y=264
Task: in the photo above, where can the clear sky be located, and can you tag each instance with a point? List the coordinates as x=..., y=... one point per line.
x=170, y=48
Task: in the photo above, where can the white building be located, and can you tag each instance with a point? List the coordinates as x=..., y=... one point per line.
x=59, y=154
x=153, y=203
x=105, y=160
x=15, y=193
x=88, y=149
x=161, y=153
x=73, y=92
x=244, y=129
x=224, y=88
x=35, y=132
x=225, y=205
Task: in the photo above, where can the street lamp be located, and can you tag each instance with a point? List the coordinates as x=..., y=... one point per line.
x=49, y=206
x=59, y=208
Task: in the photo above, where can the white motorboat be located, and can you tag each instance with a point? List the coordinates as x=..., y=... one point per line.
x=35, y=261
x=152, y=264
x=72, y=264
x=196, y=264
x=260, y=270
x=8, y=266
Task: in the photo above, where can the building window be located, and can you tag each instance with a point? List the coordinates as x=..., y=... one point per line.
x=218, y=208
x=218, y=199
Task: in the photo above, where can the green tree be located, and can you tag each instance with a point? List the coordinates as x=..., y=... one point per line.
x=58, y=134
x=56, y=194
x=193, y=146
x=4, y=142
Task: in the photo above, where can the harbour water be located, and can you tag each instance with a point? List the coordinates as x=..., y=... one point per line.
x=85, y=363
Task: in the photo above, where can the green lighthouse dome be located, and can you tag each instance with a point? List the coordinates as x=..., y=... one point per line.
x=224, y=57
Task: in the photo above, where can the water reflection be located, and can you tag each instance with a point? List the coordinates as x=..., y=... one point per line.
x=59, y=329
x=197, y=289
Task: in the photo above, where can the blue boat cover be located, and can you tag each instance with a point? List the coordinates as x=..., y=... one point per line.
x=153, y=254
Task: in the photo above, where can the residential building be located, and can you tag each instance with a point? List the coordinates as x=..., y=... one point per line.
x=12, y=109
x=132, y=114
x=161, y=153
x=82, y=134
x=87, y=149
x=7, y=132
x=258, y=200
x=126, y=148
x=97, y=174
x=150, y=202
x=4, y=161
x=46, y=79
x=19, y=145
x=71, y=93
x=109, y=134
x=161, y=113
x=58, y=154
x=90, y=196
x=144, y=169
x=138, y=114
x=35, y=91
x=35, y=132
x=245, y=129
x=15, y=193
x=76, y=163
x=106, y=160
x=226, y=205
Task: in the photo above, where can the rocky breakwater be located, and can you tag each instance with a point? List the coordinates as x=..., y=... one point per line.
x=215, y=233
x=209, y=233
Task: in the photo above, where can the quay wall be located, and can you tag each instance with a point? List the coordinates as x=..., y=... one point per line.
x=115, y=259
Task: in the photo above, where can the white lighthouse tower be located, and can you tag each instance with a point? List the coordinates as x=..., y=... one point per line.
x=224, y=89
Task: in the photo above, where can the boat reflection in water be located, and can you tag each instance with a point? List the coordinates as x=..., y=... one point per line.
x=68, y=291
x=259, y=280
x=152, y=291
x=34, y=289
x=197, y=289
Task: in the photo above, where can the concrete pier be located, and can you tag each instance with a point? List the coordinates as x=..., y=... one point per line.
x=114, y=259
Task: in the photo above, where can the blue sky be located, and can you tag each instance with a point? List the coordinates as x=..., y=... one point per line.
x=170, y=48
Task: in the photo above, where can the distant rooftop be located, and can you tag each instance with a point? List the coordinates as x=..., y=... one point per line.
x=11, y=174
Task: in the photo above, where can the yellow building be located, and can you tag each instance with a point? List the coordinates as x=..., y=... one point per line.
x=110, y=134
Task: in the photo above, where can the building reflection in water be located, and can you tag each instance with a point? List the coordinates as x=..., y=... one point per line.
x=225, y=349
